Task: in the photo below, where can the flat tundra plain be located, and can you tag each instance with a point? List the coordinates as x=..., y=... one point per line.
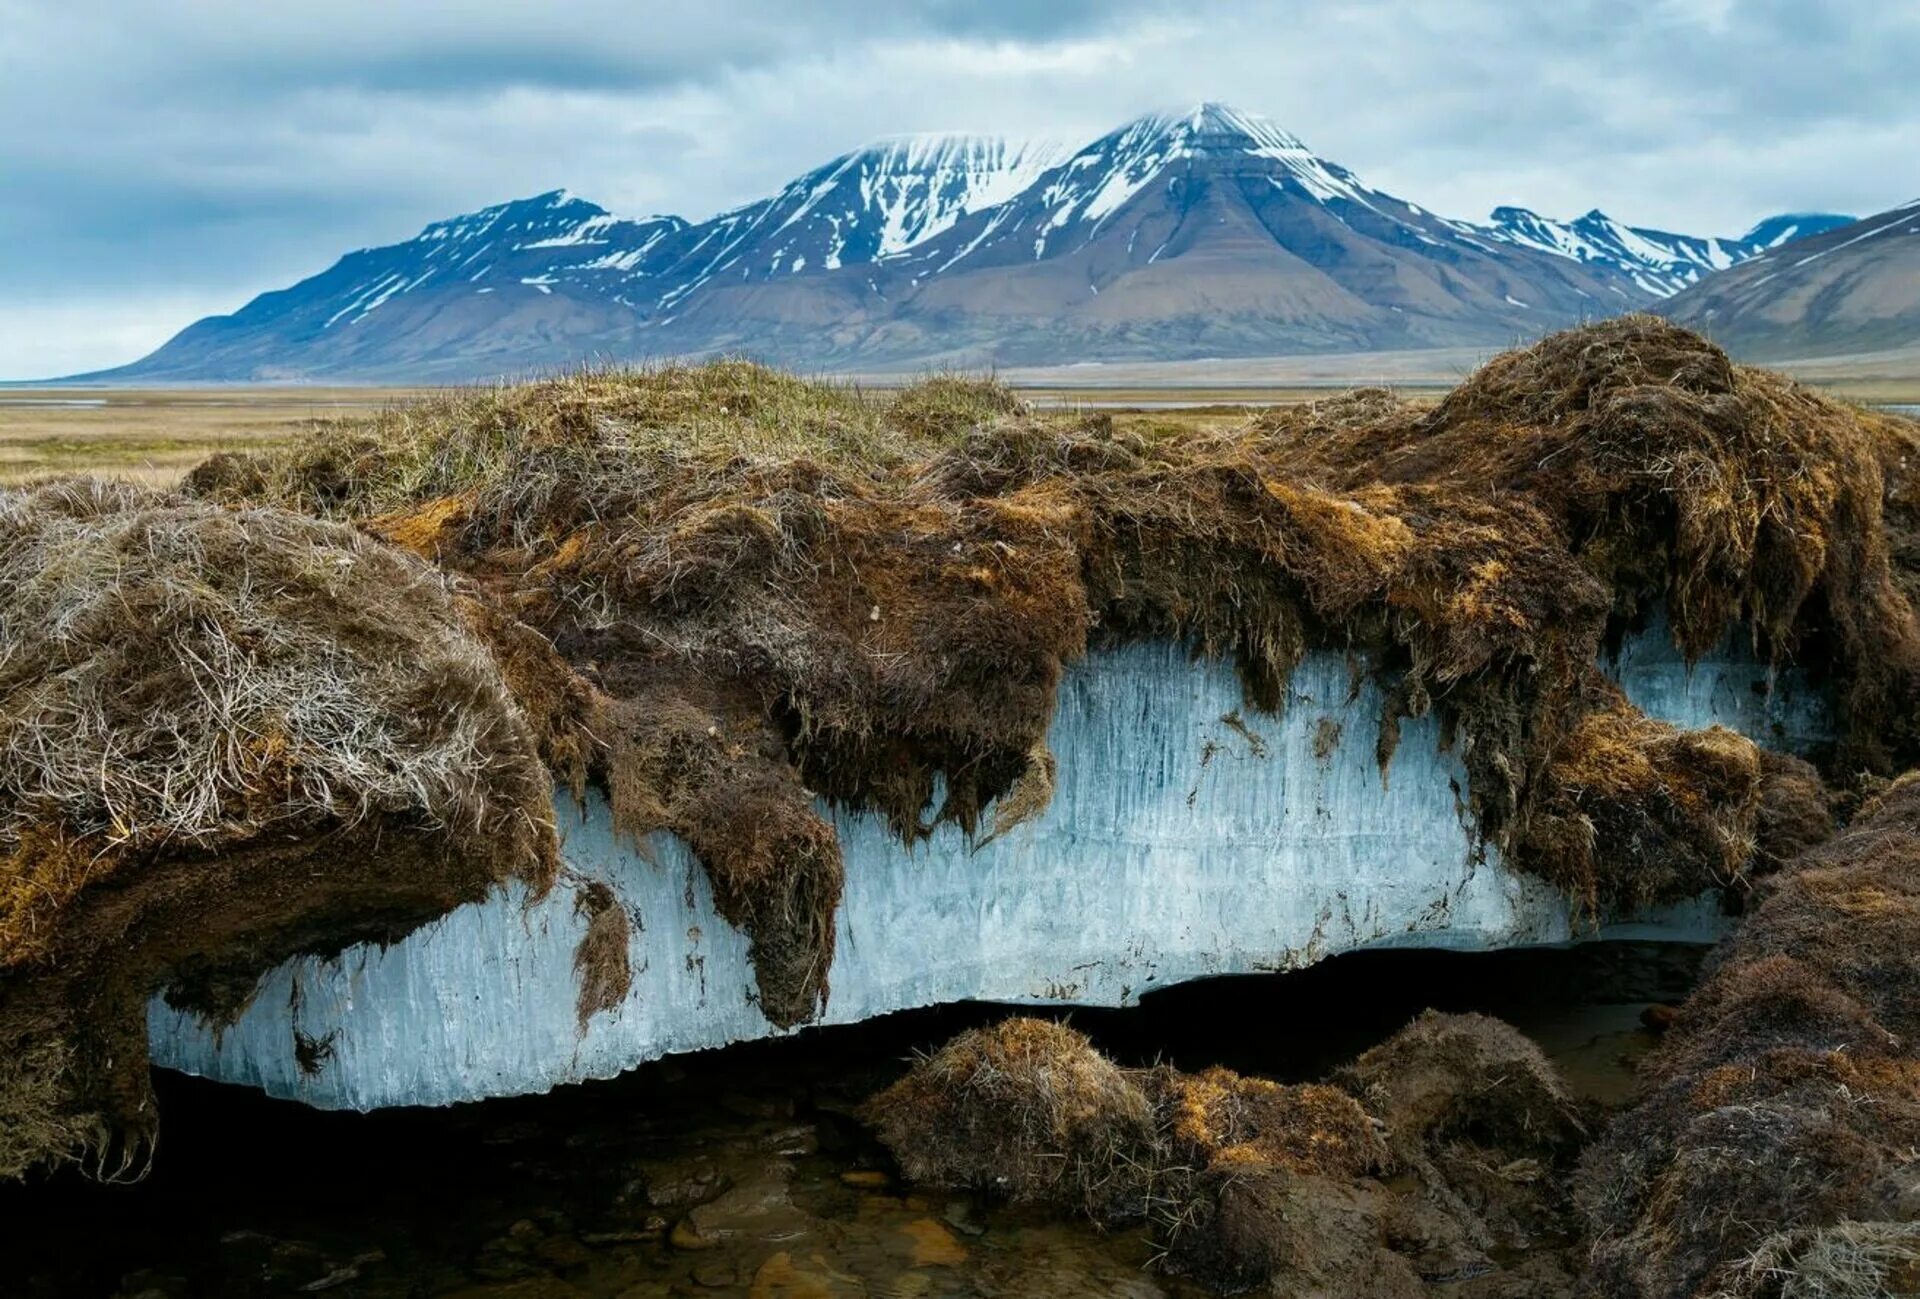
x=156, y=435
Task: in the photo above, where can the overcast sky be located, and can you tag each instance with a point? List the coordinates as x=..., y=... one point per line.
x=160, y=161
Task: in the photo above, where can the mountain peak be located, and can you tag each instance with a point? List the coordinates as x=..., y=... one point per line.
x=1771, y=232
x=1214, y=127
x=531, y=217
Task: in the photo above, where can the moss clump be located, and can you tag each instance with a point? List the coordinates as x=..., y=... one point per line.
x=1025, y=1109
x=1245, y=1183
x=225, y=736
x=600, y=962
x=1771, y=1154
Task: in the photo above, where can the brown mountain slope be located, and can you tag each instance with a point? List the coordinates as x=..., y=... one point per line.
x=1855, y=289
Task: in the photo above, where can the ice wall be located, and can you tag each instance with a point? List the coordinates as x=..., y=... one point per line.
x=1775, y=707
x=1186, y=838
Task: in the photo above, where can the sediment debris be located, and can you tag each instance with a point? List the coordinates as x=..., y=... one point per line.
x=722, y=595
x=1773, y=1151
x=1250, y=1184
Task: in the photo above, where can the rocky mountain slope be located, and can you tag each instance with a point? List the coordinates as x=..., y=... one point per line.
x=1199, y=234
x=1851, y=289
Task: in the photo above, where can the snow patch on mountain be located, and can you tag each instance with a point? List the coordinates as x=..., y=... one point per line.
x=1789, y=226
x=1657, y=261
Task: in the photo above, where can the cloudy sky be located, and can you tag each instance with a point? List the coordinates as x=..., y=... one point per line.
x=159, y=161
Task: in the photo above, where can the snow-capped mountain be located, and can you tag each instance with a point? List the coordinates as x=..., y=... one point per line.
x=1853, y=288
x=1789, y=226
x=1216, y=233
x=1074, y=204
x=539, y=243
x=1209, y=232
x=1660, y=263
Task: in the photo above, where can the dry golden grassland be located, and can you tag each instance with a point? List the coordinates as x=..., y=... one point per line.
x=156, y=435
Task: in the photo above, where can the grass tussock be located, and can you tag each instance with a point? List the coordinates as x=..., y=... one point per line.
x=1772, y=1153
x=208, y=719
x=1026, y=1110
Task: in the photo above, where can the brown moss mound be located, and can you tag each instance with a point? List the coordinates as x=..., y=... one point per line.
x=1250, y=1184
x=1026, y=1109
x=797, y=590
x=1772, y=1152
x=1898, y=440
x=1449, y=1078
x=1264, y=1185
x=225, y=737
x=1729, y=493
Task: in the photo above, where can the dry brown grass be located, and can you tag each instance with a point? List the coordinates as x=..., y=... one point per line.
x=1772, y=1153
x=1849, y=1260
x=207, y=719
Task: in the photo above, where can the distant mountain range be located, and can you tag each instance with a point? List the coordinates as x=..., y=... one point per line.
x=1657, y=262
x=1851, y=289
x=1210, y=233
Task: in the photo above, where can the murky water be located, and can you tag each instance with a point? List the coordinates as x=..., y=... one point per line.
x=741, y=1172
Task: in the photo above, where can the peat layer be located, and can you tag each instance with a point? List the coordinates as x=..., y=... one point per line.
x=722, y=593
x=226, y=736
x=1772, y=1153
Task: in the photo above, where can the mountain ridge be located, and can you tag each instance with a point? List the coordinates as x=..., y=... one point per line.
x=1849, y=289
x=1177, y=235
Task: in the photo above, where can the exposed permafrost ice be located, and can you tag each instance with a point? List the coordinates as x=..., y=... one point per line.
x=1776, y=707
x=1186, y=838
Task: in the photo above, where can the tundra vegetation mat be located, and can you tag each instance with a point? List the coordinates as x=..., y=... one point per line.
x=1773, y=1151
x=721, y=592
x=1245, y=1184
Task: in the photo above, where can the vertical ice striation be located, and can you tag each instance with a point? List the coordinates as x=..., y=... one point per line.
x=1186, y=838
x=1778, y=708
